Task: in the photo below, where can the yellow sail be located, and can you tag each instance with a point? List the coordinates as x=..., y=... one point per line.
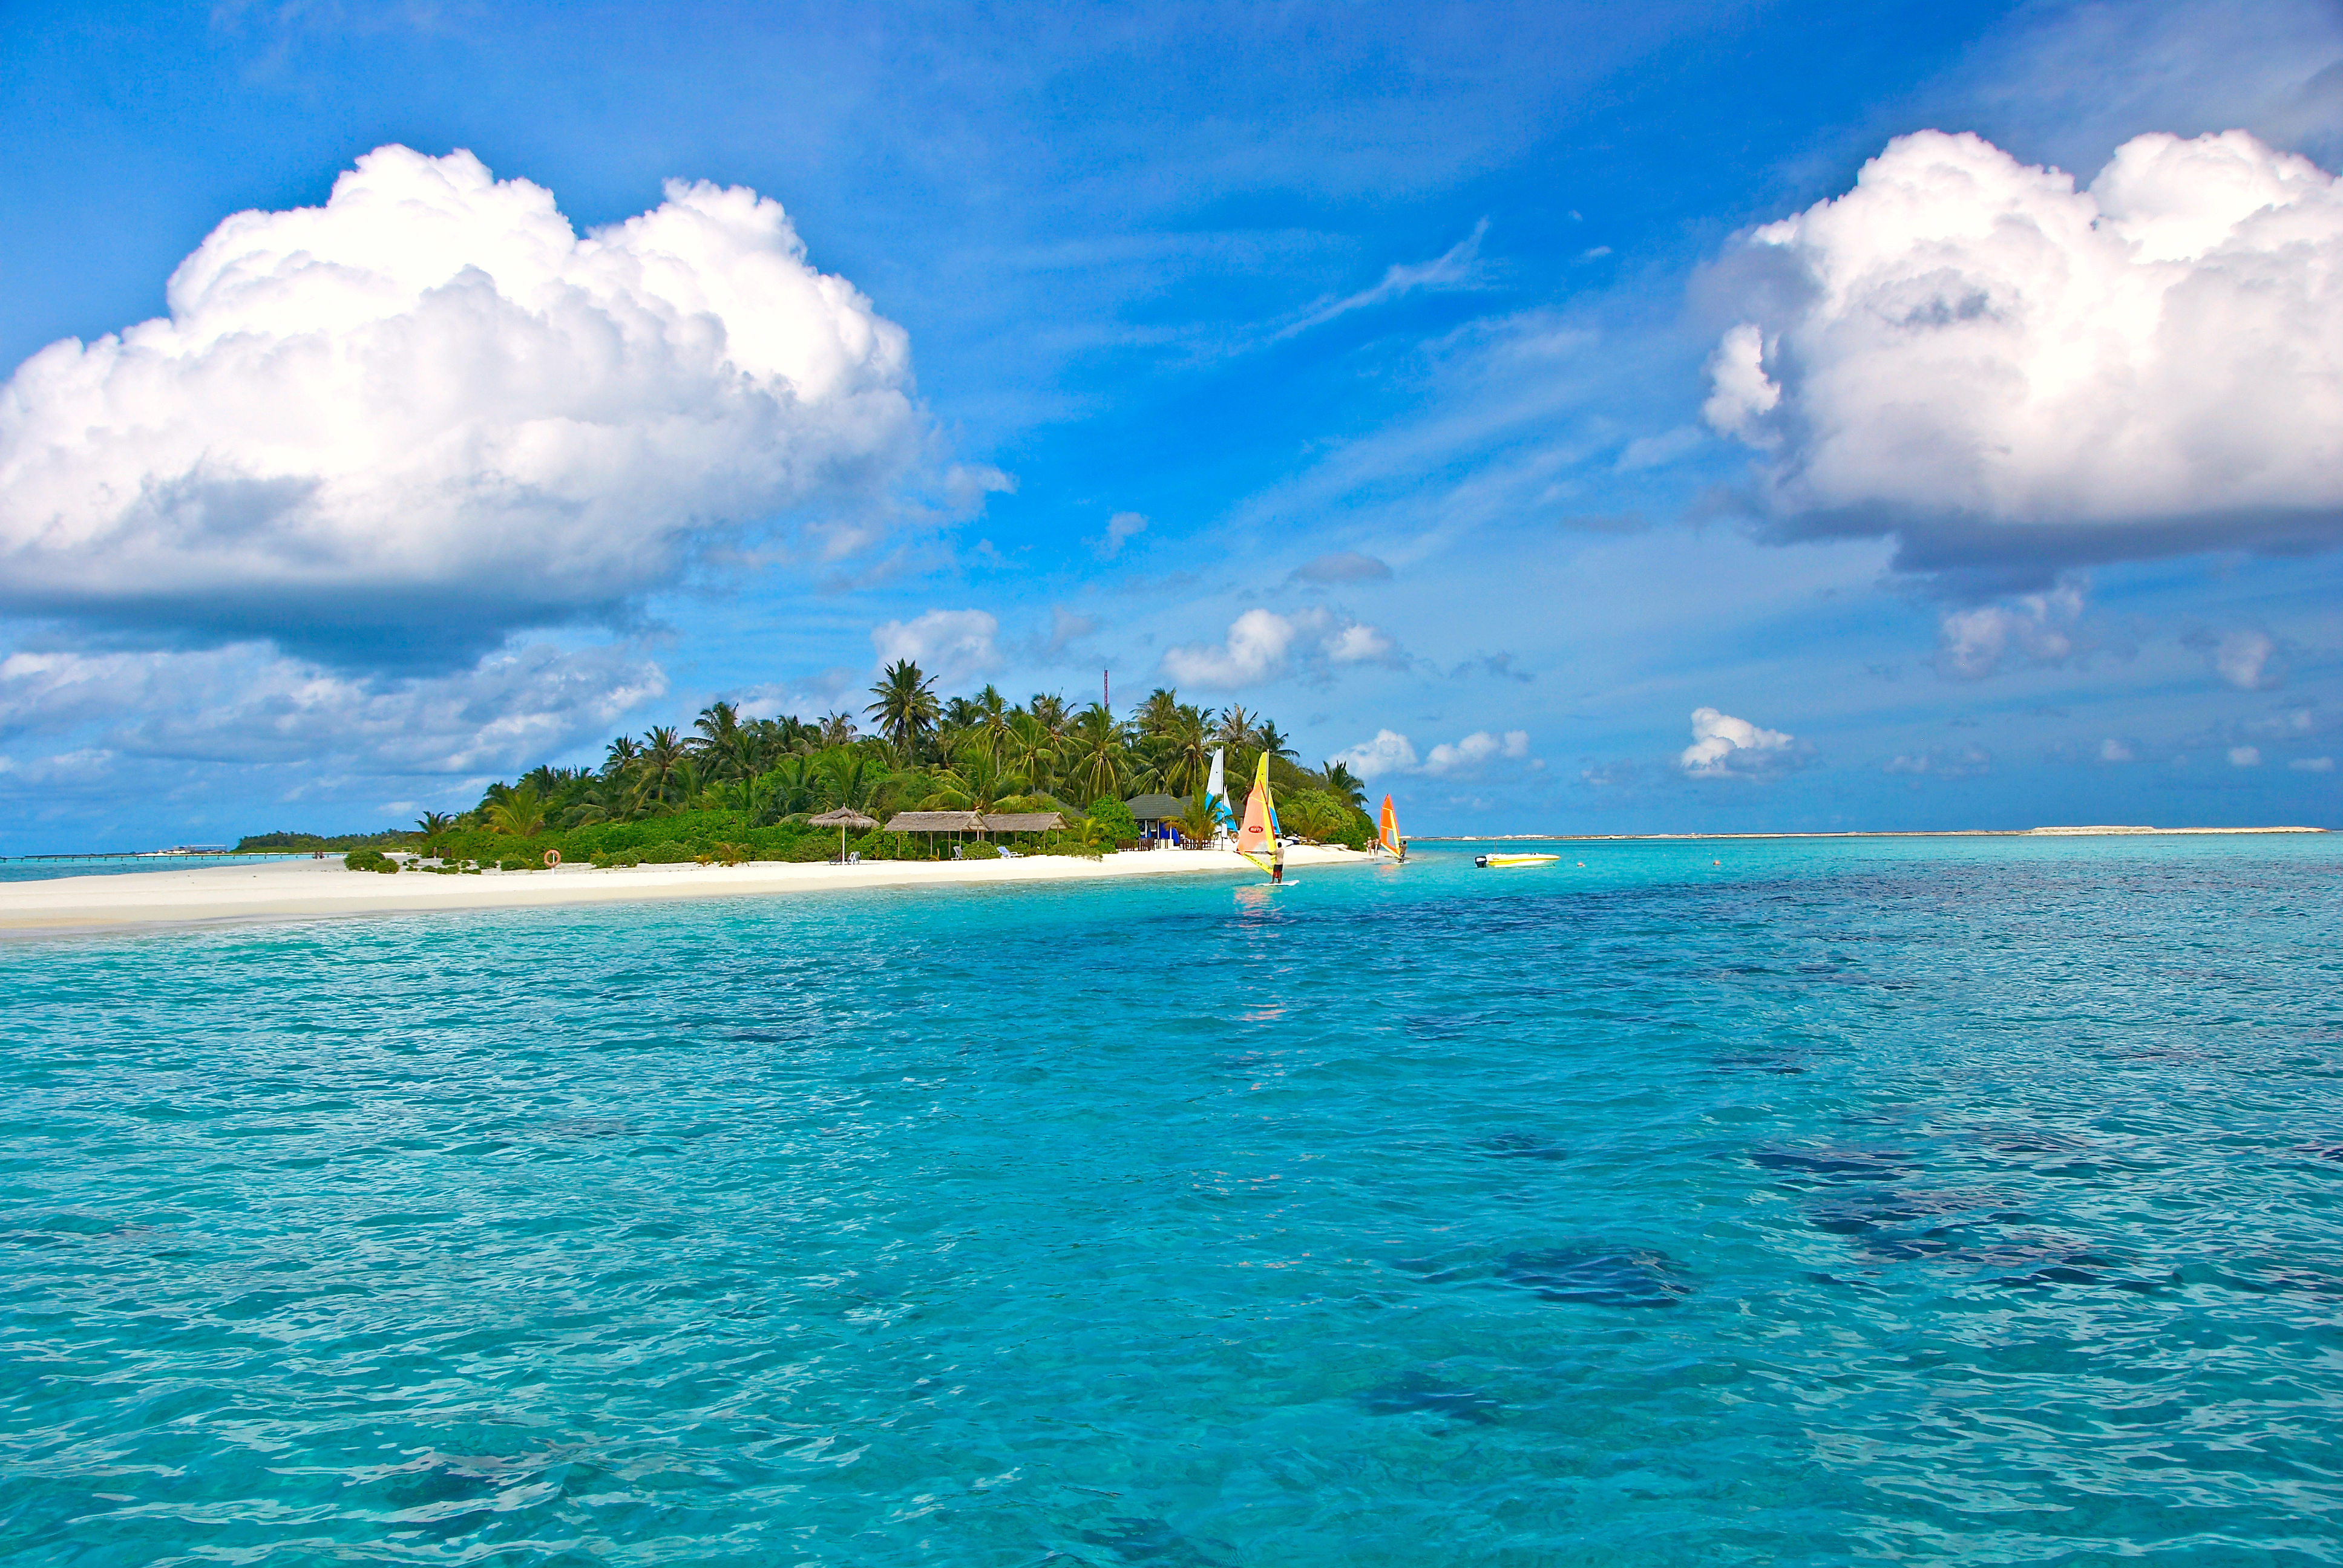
x=1258, y=836
x=1388, y=835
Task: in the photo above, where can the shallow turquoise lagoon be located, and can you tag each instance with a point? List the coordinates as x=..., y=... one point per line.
x=1846, y=1203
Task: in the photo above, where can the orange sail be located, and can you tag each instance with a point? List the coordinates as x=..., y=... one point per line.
x=1388, y=837
x=1258, y=835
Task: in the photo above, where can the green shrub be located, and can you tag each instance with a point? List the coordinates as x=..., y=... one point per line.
x=980, y=853
x=370, y=859
x=670, y=853
x=1114, y=819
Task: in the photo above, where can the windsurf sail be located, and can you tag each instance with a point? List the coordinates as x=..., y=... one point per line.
x=1388, y=834
x=1258, y=837
x=1216, y=791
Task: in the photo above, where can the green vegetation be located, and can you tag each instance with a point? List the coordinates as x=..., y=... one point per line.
x=735, y=788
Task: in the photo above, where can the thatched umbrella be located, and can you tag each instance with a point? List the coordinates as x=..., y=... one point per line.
x=842, y=818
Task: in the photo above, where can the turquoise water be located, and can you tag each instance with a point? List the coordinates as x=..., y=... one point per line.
x=1849, y=1202
x=33, y=869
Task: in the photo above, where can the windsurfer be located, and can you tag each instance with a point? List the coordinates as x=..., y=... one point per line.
x=1277, y=860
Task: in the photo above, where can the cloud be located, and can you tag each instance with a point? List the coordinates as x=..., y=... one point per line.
x=1120, y=528
x=1457, y=267
x=1262, y=645
x=2247, y=660
x=1658, y=451
x=1942, y=762
x=1976, y=642
x=2313, y=765
x=1390, y=752
x=1475, y=750
x=247, y=703
x=1342, y=566
x=949, y=644
x=1724, y=747
x=2011, y=373
x=2112, y=751
x=404, y=422
x=2245, y=756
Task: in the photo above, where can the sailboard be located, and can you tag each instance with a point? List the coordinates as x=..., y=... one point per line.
x=1259, y=835
x=1387, y=834
x=1216, y=794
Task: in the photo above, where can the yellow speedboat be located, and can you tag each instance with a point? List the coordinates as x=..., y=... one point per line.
x=1497, y=863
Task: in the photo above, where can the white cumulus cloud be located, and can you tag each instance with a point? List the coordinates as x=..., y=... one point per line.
x=1262, y=645
x=2244, y=756
x=1976, y=642
x=1391, y=752
x=431, y=403
x=949, y=643
x=2247, y=660
x=1724, y=747
x=2313, y=765
x=248, y=703
x=2004, y=368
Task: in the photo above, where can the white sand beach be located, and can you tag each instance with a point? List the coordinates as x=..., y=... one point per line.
x=298, y=889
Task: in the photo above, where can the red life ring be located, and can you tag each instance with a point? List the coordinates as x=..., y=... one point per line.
x=552, y=858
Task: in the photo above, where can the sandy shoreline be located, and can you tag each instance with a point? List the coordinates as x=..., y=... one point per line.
x=302, y=890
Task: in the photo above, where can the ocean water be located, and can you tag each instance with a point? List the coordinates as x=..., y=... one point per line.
x=1849, y=1202
x=40, y=868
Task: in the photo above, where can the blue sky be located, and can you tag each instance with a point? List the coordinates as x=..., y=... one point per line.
x=1374, y=368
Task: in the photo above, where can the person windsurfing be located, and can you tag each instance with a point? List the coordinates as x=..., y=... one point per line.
x=1277, y=860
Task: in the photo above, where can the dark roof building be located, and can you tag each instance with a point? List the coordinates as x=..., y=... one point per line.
x=1146, y=809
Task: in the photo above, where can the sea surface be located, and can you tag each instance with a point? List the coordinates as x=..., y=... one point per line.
x=47, y=868
x=1843, y=1203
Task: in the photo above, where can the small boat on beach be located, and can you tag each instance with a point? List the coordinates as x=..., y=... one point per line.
x=1503, y=862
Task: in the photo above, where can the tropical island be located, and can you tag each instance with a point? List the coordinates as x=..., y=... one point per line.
x=1053, y=778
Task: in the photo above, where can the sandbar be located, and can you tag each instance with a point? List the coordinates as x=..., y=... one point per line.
x=303, y=890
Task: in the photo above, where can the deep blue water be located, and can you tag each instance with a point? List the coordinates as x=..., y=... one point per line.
x=1848, y=1202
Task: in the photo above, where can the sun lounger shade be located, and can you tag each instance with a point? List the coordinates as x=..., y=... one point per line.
x=842, y=819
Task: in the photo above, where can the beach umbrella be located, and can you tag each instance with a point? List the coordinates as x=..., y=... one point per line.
x=842, y=818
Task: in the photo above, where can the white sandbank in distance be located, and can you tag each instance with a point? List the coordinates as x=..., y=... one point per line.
x=302, y=889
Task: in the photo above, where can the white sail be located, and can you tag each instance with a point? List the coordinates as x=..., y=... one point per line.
x=1217, y=790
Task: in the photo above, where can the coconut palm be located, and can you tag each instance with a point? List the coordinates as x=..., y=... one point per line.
x=1183, y=752
x=836, y=730
x=432, y=824
x=715, y=729
x=850, y=778
x=1275, y=743
x=1346, y=786
x=625, y=752
x=1097, y=755
x=1051, y=713
x=1238, y=730
x=655, y=770
x=906, y=710
x=1157, y=715
x=1197, y=823
x=1028, y=749
x=520, y=814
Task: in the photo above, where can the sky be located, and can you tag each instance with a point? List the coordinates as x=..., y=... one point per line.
x=1574, y=417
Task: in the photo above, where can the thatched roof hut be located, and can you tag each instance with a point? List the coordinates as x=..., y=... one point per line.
x=1023, y=821
x=935, y=822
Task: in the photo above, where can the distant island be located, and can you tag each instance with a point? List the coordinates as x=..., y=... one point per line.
x=735, y=788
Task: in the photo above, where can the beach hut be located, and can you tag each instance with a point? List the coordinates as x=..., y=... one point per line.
x=1005, y=822
x=934, y=822
x=1155, y=815
x=841, y=820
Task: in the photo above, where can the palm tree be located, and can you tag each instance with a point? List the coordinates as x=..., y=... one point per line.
x=1238, y=731
x=1276, y=744
x=662, y=754
x=431, y=824
x=716, y=729
x=836, y=730
x=850, y=779
x=1157, y=714
x=1346, y=786
x=625, y=752
x=1185, y=751
x=1028, y=749
x=1051, y=713
x=1098, y=757
x=520, y=814
x=1197, y=823
x=907, y=708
